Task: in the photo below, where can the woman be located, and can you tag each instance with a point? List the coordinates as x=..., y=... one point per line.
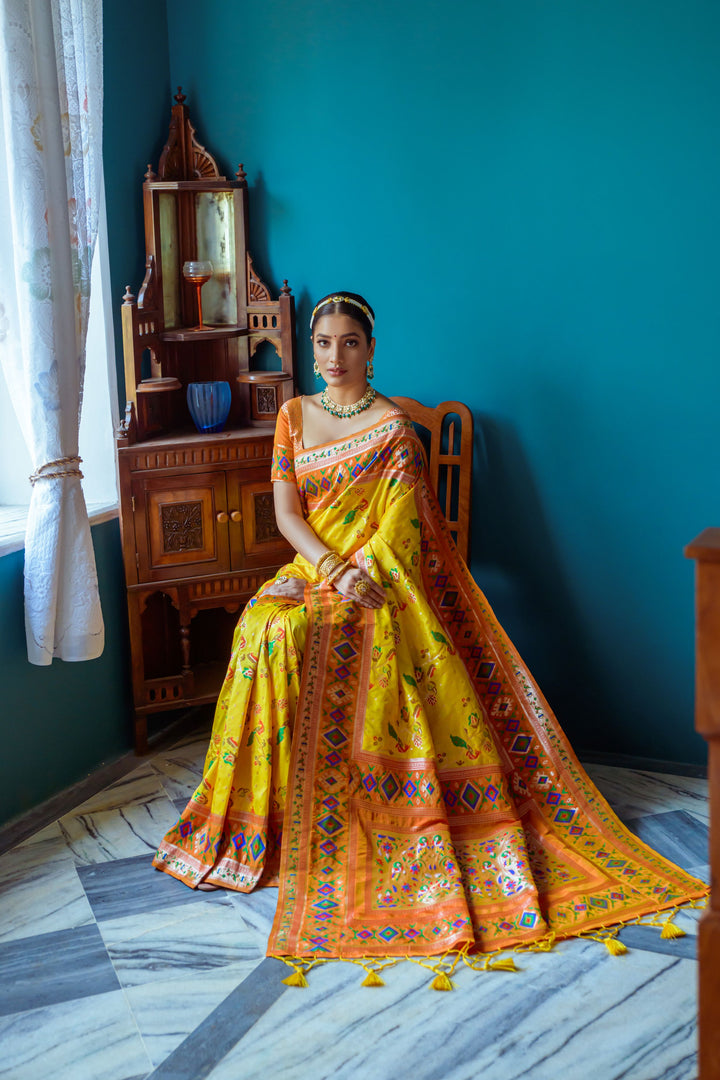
x=375, y=716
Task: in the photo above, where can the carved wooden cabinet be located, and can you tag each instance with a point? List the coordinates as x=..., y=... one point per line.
x=198, y=527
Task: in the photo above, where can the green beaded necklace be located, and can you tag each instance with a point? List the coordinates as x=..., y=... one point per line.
x=345, y=411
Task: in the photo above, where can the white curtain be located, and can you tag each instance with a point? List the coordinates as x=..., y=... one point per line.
x=51, y=89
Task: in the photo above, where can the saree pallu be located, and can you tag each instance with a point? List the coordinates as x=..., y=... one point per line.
x=397, y=771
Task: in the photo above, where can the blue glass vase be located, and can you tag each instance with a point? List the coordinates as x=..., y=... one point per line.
x=209, y=405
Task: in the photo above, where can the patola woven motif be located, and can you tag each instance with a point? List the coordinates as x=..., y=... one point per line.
x=397, y=771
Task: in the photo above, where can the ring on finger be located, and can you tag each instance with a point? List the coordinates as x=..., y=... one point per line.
x=362, y=587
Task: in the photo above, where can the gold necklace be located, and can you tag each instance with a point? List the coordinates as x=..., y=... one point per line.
x=345, y=411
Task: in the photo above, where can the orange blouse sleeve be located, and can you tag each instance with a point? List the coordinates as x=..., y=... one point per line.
x=283, y=463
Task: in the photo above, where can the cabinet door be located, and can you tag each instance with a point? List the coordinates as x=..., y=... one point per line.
x=255, y=539
x=181, y=525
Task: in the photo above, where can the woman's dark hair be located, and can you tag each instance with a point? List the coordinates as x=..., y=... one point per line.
x=345, y=303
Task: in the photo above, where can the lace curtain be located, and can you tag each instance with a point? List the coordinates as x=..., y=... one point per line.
x=51, y=90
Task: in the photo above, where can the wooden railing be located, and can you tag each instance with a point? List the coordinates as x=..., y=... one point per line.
x=705, y=549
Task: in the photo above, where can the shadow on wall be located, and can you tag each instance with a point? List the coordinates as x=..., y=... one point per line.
x=516, y=564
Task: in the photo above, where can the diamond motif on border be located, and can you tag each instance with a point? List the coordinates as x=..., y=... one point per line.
x=335, y=737
x=389, y=787
x=330, y=824
x=470, y=796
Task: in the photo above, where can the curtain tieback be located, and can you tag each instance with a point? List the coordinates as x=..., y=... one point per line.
x=57, y=469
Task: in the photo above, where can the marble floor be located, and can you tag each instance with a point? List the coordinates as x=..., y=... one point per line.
x=111, y=971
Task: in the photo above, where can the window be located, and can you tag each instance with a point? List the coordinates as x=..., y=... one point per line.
x=98, y=420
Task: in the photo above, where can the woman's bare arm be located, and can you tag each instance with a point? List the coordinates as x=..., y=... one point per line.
x=292, y=524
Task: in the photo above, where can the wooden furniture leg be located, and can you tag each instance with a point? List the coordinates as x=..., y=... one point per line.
x=705, y=549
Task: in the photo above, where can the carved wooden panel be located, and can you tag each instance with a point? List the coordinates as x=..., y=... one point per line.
x=181, y=525
x=263, y=541
x=266, y=400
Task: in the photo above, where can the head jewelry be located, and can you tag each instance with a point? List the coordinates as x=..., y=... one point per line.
x=343, y=300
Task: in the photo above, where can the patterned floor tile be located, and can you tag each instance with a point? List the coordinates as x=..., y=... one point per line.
x=180, y=774
x=172, y=1010
x=196, y=1057
x=125, y=820
x=676, y=834
x=187, y=940
x=132, y=886
x=94, y=1038
x=199, y=1000
x=49, y=968
x=575, y=1013
x=40, y=890
x=632, y=792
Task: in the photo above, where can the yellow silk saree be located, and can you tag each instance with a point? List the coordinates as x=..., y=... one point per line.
x=397, y=772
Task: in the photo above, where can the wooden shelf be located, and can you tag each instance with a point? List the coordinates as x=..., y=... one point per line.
x=207, y=333
x=158, y=385
x=269, y=378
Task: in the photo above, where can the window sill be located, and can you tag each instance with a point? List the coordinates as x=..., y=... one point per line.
x=13, y=520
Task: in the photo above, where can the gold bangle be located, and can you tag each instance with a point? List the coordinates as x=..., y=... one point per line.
x=328, y=562
x=325, y=557
x=318, y=562
x=337, y=572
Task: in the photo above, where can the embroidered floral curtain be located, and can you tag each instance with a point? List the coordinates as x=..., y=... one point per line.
x=51, y=90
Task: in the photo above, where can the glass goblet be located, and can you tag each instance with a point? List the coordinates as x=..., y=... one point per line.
x=197, y=272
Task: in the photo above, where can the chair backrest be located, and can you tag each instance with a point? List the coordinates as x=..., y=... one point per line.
x=448, y=441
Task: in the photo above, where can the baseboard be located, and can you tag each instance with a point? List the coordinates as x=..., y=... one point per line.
x=20, y=828
x=642, y=764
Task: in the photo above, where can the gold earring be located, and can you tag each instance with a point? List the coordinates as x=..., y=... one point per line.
x=370, y=369
x=316, y=370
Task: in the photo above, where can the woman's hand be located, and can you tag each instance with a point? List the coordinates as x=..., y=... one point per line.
x=347, y=583
x=288, y=586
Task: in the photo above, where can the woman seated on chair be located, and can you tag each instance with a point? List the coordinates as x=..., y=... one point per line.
x=379, y=749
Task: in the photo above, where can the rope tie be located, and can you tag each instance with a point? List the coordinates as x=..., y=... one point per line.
x=56, y=470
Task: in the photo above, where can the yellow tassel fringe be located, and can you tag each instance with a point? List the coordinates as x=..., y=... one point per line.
x=444, y=966
x=372, y=979
x=503, y=964
x=296, y=979
x=670, y=930
x=615, y=947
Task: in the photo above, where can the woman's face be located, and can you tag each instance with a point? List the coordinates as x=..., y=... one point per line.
x=342, y=350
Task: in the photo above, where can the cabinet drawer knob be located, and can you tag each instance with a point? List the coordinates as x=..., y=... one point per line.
x=235, y=515
x=221, y=517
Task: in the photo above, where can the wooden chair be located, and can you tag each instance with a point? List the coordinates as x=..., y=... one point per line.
x=447, y=435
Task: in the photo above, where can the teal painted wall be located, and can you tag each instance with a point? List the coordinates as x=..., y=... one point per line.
x=137, y=100
x=63, y=721
x=527, y=194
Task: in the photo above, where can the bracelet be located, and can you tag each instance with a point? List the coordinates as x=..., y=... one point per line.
x=328, y=562
x=325, y=557
x=337, y=572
